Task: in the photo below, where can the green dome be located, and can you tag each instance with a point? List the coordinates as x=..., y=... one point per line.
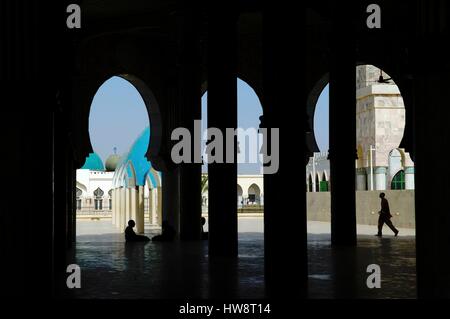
x=94, y=163
x=111, y=162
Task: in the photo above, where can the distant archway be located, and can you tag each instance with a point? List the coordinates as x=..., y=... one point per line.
x=254, y=195
x=249, y=159
x=240, y=200
x=398, y=181
x=323, y=186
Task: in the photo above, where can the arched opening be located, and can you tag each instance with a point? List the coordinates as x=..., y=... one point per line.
x=250, y=216
x=110, y=199
x=324, y=183
x=380, y=124
x=318, y=167
x=240, y=199
x=400, y=161
x=317, y=183
x=114, y=174
x=153, y=198
x=398, y=181
x=98, y=199
x=381, y=164
x=254, y=194
x=79, y=194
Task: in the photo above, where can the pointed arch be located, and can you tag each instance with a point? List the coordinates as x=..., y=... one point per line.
x=131, y=175
x=81, y=186
x=254, y=194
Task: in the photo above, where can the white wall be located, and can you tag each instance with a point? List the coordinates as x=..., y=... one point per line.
x=245, y=181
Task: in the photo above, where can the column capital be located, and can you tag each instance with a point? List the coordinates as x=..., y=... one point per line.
x=380, y=169
x=361, y=171
x=409, y=170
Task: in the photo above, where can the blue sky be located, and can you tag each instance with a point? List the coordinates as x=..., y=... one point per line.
x=118, y=115
x=321, y=120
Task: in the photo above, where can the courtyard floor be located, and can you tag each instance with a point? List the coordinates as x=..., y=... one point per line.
x=112, y=269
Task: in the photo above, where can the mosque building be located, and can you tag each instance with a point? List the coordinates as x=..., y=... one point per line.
x=380, y=123
x=128, y=187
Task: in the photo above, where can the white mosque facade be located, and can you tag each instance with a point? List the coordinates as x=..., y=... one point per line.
x=128, y=187
x=380, y=122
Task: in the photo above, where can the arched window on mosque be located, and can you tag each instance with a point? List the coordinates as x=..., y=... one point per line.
x=254, y=194
x=98, y=199
x=398, y=181
x=110, y=198
x=79, y=192
x=317, y=183
x=324, y=183
x=310, y=186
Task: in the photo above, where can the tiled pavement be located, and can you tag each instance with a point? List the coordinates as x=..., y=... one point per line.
x=112, y=269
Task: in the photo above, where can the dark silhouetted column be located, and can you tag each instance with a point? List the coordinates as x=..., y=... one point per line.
x=190, y=109
x=284, y=107
x=431, y=203
x=222, y=114
x=342, y=149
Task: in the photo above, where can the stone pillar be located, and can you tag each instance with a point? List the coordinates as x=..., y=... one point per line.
x=133, y=204
x=159, y=205
x=380, y=178
x=127, y=206
x=118, y=207
x=123, y=215
x=113, y=208
x=361, y=180
x=26, y=224
x=189, y=98
x=117, y=193
x=342, y=153
x=151, y=201
x=280, y=60
x=140, y=210
x=130, y=192
x=62, y=196
x=222, y=114
x=369, y=178
x=409, y=177
x=431, y=132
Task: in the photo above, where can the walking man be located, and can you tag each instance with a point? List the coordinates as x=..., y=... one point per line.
x=385, y=216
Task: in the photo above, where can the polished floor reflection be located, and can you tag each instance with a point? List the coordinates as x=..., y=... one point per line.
x=110, y=268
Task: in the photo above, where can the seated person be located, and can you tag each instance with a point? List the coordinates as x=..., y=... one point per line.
x=167, y=233
x=130, y=235
x=204, y=234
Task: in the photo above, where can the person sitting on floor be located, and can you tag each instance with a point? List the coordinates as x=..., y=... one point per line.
x=167, y=233
x=204, y=234
x=131, y=236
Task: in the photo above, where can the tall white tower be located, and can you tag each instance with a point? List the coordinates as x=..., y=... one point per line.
x=380, y=116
